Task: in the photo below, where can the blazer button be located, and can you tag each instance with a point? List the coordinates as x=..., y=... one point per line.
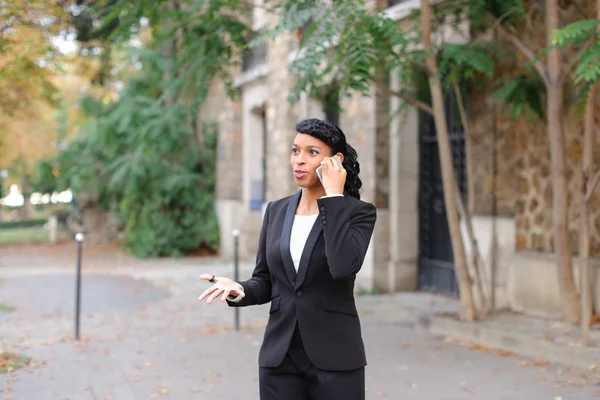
x=324, y=222
x=299, y=293
x=322, y=208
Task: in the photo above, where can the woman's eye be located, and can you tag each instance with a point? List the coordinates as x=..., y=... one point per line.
x=314, y=152
x=294, y=151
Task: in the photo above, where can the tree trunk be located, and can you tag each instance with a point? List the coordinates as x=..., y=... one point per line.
x=26, y=191
x=466, y=213
x=588, y=187
x=468, y=311
x=476, y=271
x=468, y=150
x=562, y=248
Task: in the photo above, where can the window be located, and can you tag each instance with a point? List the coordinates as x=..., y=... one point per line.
x=254, y=56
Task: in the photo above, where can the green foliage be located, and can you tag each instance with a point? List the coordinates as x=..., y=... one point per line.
x=346, y=43
x=343, y=44
x=169, y=206
x=143, y=156
x=588, y=67
x=523, y=95
x=43, y=178
x=30, y=223
x=578, y=35
x=464, y=61
x=481, y=13
x=137, y=154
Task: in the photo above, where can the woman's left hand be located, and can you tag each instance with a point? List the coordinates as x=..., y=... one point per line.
x=334, y=176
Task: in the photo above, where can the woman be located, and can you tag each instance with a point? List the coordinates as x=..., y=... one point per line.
x=311, y=246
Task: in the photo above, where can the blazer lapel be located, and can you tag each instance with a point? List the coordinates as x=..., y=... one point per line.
x=286, y=233
x=313, y=236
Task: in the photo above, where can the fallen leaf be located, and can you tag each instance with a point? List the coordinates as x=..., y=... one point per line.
x=381, y=393
x=592, y=368
x=541, y=363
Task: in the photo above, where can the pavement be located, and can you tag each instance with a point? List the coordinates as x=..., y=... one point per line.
x=145, y=336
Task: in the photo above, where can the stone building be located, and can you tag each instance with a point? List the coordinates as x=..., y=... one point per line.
x=410, y=250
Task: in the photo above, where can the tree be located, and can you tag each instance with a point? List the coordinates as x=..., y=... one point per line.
x=28, y=68
x=26, y=52
x=584, y=35
x=449, y=178
x=366, y=41
x=147, y=158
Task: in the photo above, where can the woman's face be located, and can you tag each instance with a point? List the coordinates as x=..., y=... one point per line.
x=307, y=154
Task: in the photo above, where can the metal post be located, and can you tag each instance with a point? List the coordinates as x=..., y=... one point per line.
x=236, y=273
x=79, y=239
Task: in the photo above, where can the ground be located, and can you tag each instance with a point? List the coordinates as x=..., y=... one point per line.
x=145, y=336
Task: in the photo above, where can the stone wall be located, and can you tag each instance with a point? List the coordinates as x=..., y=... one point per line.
x=520, y=178
x=512, y=166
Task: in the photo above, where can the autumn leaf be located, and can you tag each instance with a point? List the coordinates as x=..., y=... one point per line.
x=504, y=353
x=11, y=361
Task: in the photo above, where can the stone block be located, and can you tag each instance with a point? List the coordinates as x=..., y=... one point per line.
x=532, y=285
x=403, y=275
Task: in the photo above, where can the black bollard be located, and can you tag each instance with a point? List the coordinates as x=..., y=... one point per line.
x=236, y=273
x=79, y=239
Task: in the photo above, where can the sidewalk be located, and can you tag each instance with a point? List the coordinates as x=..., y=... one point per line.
x=146, y=337
x=542, y=339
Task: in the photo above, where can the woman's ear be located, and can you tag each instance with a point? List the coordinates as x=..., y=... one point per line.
x=341, y=157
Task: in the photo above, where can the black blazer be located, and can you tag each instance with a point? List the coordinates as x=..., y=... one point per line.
x=320, y=296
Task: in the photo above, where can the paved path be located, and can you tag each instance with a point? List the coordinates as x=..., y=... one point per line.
x=147, y=337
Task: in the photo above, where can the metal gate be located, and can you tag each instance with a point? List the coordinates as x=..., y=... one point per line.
x=436, y=261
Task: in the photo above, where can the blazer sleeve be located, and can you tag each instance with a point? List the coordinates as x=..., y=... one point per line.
x=258, y=287
x=347, y=232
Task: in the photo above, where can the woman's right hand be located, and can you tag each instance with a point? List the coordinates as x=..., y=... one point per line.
x=222, y=286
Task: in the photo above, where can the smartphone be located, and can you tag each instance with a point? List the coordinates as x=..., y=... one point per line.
x=320, y=169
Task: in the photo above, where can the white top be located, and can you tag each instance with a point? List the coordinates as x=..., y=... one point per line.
x=300, y=230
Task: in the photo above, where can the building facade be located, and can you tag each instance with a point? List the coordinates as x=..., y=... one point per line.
x=410, y=248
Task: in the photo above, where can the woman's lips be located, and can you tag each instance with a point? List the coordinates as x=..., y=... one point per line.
x=300, y=174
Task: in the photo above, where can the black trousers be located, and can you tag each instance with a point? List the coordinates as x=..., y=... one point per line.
x=298, y=379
